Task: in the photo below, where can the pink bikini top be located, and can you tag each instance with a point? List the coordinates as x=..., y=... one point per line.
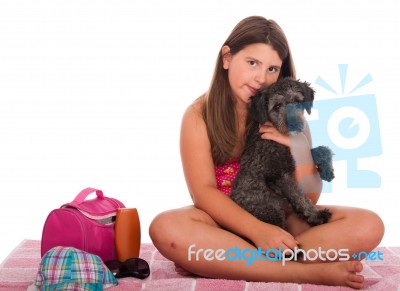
x=225, y=175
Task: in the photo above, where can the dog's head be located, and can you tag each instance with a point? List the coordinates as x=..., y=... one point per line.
x=283, y=104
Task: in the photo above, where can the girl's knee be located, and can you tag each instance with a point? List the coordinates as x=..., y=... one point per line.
x=371, y=228
x=365, y=226
x=158, y=229
x=168, y=225
x=377, y=226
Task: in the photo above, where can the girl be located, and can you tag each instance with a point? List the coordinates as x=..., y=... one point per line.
x=213, y=133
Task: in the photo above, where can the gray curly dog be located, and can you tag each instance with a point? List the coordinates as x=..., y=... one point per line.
x=265, y=181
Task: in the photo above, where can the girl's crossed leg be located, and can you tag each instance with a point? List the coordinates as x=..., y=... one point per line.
x=190, y=238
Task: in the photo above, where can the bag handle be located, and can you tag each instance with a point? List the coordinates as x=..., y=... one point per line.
x=85, y=193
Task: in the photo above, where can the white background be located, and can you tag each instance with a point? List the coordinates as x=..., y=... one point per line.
x=92, y=94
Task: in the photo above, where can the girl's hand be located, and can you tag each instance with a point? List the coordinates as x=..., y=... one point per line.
x=269, y=236
x=268, y=131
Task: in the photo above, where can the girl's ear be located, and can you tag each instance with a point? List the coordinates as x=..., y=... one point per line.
x=258, y=108
x=226, y=56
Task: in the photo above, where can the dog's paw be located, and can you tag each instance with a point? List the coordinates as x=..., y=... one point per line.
x=325, y=215
x=322, y=157
x=320, y=217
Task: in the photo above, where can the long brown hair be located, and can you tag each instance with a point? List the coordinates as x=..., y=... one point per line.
x=219, y=106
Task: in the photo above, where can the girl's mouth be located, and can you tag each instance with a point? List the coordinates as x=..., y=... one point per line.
x=252, y=90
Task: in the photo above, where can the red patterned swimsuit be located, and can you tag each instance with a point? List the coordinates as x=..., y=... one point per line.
x=225, y=175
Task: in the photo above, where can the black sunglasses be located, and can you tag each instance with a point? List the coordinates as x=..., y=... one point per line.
x=134, y=267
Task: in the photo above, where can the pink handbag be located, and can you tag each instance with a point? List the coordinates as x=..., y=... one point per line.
x=87, y=225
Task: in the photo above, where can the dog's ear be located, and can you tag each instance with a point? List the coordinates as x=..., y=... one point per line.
x=258, y=108
x=308, y=94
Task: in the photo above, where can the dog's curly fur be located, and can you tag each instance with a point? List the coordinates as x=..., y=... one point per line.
x=265, y=181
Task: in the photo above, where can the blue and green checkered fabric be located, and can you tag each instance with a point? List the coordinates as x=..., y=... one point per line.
x=68, y=268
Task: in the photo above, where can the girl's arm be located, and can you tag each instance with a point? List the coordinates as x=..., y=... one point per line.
x=300, y=146
x=199, y=173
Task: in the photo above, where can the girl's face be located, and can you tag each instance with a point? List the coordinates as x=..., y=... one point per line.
x=257, y=65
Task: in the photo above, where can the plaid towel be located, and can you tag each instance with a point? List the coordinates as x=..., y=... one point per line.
x=68, y=268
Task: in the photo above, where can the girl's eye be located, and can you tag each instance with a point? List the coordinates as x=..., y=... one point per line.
x=272, y=70
x=252, y=63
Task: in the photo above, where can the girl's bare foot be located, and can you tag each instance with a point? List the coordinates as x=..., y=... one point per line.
x=334, y=274
x=341, y=274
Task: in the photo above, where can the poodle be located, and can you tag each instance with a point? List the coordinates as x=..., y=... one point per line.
x=265, y=181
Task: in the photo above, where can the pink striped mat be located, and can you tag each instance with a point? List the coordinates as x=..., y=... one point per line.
x=19, y=269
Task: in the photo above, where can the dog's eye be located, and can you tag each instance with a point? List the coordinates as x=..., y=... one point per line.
x=277, y=107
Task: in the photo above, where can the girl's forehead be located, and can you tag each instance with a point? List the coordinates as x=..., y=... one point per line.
x=264, y=53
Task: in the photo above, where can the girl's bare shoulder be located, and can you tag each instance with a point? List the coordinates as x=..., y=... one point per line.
x=193, y=114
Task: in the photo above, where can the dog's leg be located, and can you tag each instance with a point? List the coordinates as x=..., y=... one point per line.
x=259, y=203
x=300, y=203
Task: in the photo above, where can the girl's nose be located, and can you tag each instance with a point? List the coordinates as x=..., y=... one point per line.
x=269, y=80
x=261, y=77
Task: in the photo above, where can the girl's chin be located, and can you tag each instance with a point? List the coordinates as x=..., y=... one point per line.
x=243, y=99
x=247, y=100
